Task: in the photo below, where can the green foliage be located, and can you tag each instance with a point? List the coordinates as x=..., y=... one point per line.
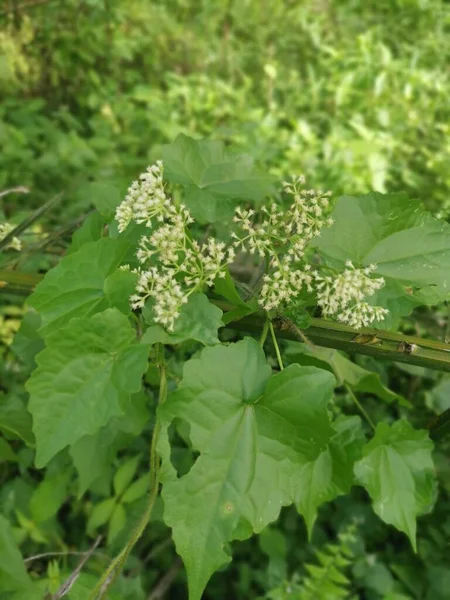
x=355, y=95
x=212, y=177
x=88, y=371
x=397, y=470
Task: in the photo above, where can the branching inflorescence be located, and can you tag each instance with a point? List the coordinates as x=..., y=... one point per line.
x=174, y=265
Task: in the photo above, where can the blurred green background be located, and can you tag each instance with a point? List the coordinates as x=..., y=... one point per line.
x=352, y=93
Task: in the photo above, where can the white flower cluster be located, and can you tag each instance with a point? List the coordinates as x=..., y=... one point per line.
x=343, y=296
x=15, y=243
x=286, y=231
x=145, y=199
x=281, y=238
x=174, y=266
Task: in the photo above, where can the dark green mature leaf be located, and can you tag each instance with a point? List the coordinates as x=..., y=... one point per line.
x=118, y=288
x=48, y=496
x=91, y=231
x=84, y=378
x=331, y=473
x=15, y=420
x=93, y=454
x=105, y=197
x=346, y=371
x=199, y=320
x=13, y=575
x=213, y=177
x=75, y=287
x=225, y=287
x=405, y=242
x=398, y=472
x=256, y=434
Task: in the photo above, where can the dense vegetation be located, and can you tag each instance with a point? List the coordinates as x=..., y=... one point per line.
x=352, y=95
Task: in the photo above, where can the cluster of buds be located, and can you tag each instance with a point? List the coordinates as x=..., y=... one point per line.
x=15, y=243
x=281, y=239
x=173, y=265
x=343, y=296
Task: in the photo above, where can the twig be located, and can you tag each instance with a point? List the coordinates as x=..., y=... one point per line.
x=166, y=581
x=67, y=585
x=21, y=189
x=68, y=553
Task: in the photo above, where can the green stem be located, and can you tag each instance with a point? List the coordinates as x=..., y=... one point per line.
x=112, y=572
x=264, y=333
x=359, y=405
x=275, y=343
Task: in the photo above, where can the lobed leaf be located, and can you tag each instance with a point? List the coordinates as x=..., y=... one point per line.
x=256, y=434
x=75, y=287
x=84, y=378
x=213, y=177
x=398, y=472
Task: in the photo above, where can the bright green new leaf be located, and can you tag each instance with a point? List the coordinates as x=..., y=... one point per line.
x=213, y=177
x=101, y=513
x=136, y=490
x=75, y=287
x=255, y=434
x=397, y=470
x=13, y=575
x=199, y=320
x=125, y=475
x=116, y=523
x=84, y=378
x=405, y=242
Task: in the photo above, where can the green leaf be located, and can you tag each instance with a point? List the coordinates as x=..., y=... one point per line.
x=125, y=475
x=136, y=490
x=84, y=378
x=397, y=470
x=101, y=513
x=213, y=177
x=92, y=455
x=199, y=320
x=90, y=231
x=255, y=434
x=27, y=341
x=118, y=288
x=346, y=371
x=405, y=242
x=225, y=287
x=117, y=523
x=331, y=473
x=13, y=575
x=15, y=420
x=106, y=197
x=48, y=496
x=75, y=287
x=7, y=454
